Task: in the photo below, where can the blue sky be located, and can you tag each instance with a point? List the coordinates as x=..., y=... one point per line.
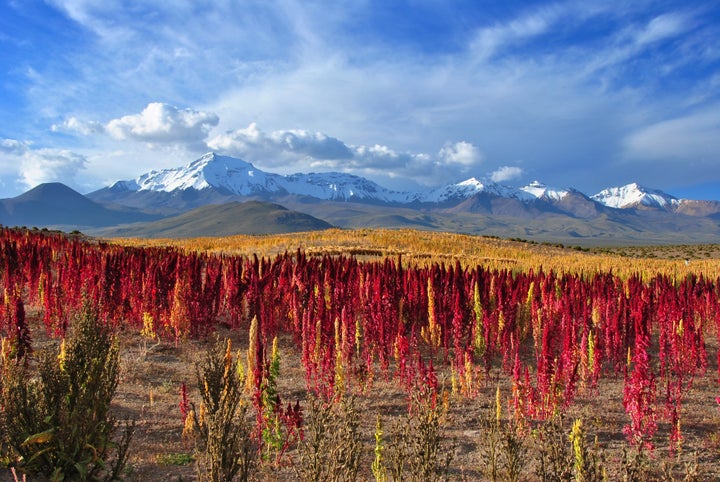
x=577, y=94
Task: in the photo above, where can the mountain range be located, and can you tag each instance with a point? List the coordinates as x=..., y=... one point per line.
x=170, y=202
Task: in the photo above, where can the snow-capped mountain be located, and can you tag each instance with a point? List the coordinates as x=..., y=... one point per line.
x=634, y=195
x=472, y=186
x=464, y=190
x=240, y=178
x=538, y=190
x=629, y=213
x=210, y=171
x=216, y=178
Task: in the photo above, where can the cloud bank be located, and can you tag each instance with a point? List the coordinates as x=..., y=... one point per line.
x=302, y=149
x=163, y=123
x=37, y=166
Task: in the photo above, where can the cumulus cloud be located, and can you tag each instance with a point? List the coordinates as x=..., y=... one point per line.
x=461, y=153
x=302, y=150
x=451, y=161
x=506, y=173
x=164, y=123
x=36, y=166
x=279, y=144
x=384, y=158
x=50, y=165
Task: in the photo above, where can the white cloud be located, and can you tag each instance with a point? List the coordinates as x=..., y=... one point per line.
x=506, y=173
x=50, y=165
x=164, y=123
x=691, y=138
x=384, y=158
x=73, y=124
x=302, y=150
x=312, y=144
x=490, y=40
x=280, y=144
x=31, y=167
x=662, y=27
x=461, y=153
x=13, y=147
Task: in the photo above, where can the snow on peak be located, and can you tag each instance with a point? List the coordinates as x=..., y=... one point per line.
x=463, y=189
x=632, y=195
x=472, y=186
x=211, y=170
x=239, y=177
x=540, y=190
x=338, y=186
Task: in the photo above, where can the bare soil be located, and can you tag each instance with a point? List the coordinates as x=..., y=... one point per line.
x=152, y=373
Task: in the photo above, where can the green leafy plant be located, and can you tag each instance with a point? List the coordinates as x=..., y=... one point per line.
x=588, y=459
x=56, y=417
x=378, y=464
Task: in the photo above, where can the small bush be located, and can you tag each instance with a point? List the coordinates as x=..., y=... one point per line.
x=224, y=443
x=417, y=450
x=555, y=456
x=56, y=415
x=331, y=448
x=502, y=445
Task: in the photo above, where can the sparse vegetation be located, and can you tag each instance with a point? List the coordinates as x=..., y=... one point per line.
x=225, y=448
x=332, y=446
x=417, y=448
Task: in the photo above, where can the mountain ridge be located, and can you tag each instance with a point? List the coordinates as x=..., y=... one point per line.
x=232, y=176
x=628, y=214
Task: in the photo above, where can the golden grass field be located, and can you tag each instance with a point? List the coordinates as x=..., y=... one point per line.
x=427, y=247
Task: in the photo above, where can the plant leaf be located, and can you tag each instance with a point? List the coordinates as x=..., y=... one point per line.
x=39, y=438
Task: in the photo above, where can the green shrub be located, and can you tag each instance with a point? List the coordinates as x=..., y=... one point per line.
x=56, y=414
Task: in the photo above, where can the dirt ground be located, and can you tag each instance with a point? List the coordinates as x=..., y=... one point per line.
x=152, y=373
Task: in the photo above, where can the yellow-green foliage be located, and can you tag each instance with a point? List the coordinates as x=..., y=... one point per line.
x=225, y=447
x=55, y=415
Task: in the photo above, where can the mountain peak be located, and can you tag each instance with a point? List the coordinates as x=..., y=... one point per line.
x=540, y=190
x=209, y=171
x=212, y=160
x=233, y=176
x=49, y=190
x=633, y=194
x=225, y=176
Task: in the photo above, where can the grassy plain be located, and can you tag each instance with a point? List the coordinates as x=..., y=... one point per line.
x=422, y=248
